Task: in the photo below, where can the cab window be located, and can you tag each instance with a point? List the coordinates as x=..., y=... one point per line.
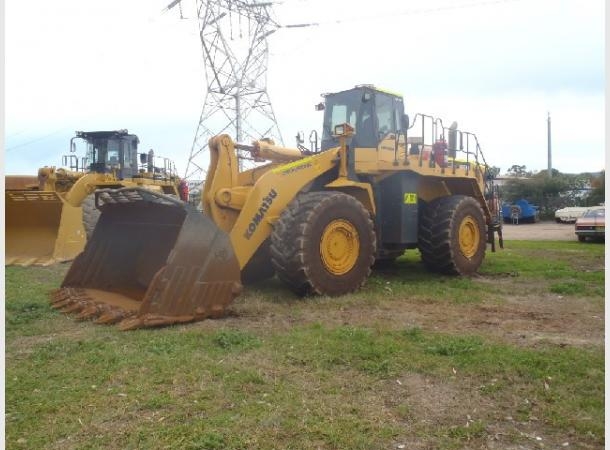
x=96, y=152
x=112, y=154
x=340, y=115
x=384, y=108
x=127, y=159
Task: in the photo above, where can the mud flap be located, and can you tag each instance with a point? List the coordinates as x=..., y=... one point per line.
x=41, y=228
x=152, y=260
x=492, y=229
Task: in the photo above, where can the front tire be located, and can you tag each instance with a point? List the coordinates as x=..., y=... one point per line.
x=90, y=214
x=323, y=243
x=452, y=235
x=259, y=268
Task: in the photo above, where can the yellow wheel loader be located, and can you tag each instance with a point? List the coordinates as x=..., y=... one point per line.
x=318, y=219
x=50, y=216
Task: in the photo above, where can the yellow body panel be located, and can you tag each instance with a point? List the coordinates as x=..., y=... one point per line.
x=361, y=191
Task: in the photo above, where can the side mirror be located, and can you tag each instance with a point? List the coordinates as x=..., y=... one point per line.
x=320, y=107
x=299, y=138
x=344, y=129
x=405, y=122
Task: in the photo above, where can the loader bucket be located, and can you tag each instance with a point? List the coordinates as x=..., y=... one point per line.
x=152, y=260
x=41, y=228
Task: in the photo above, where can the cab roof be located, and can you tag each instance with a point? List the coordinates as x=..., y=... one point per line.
x=367, y=87
x=104, y=134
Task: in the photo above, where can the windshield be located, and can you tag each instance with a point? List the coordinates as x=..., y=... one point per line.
x=103, y=150
x=340, y=108
x=373, y=115
x=112, y=154
x=354, y=107
x=595, y=213
x=96, y=151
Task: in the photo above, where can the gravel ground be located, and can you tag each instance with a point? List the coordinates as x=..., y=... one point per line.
x=541, y=231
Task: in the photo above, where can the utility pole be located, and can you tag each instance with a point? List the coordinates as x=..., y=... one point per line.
x=550, y=165
x=233, y=37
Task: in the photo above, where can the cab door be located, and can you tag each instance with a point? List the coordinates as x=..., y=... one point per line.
x=388, y=112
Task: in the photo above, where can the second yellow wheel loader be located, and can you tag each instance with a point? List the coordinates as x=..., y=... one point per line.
x=50, y=216
x=318, y=219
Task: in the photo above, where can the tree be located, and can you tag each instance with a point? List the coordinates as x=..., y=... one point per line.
x=597, y=194
x=517, y=171
x=493, y=171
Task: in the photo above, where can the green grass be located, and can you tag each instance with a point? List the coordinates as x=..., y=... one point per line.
x=564, y=267
x=256, y=381
x=26, y=296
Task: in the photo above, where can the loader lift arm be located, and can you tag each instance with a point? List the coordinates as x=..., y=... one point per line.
x=248, y=212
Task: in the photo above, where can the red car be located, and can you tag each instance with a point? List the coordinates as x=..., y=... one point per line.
x=591, y=224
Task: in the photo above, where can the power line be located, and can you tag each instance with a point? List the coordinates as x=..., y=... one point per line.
x=34, y=140
x=16, y=133
x=388, y=14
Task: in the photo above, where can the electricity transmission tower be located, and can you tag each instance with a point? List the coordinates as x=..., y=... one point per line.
x=234, y=43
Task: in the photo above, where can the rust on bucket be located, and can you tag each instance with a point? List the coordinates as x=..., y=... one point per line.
x=152, y=260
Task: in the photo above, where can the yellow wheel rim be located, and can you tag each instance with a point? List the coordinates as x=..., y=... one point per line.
x=339, y=247
x=469, y=237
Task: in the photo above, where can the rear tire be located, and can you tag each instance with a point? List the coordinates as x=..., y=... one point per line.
x=452, y=235
x=323, y=243
x=582, y=238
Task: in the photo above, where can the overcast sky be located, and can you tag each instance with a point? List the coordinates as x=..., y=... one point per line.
x=496, y=67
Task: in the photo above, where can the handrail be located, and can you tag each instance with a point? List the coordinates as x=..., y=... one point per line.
x=466, y=145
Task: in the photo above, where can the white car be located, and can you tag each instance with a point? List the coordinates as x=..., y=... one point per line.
x=570, y=214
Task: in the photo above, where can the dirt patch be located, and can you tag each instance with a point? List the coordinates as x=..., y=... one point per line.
x=524, y=320
x=457, y=408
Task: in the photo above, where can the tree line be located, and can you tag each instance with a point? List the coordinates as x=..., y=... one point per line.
x=555, y=192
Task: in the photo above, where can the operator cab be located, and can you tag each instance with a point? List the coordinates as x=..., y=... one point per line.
x=111, y=150
x=374, y=114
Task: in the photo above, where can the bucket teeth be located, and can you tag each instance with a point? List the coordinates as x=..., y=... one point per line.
x=111, y=316
x=65, y=299
x=90, y=312
x=59, y=295
x=131, y=323
x=62, y=303
x=151, y=320
x=76, y=306
x=60, y=298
